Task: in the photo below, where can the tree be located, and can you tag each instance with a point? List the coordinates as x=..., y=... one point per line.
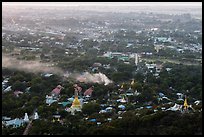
x=90, y=108
x=19, y=86
x=35, y=101
x=16, y=77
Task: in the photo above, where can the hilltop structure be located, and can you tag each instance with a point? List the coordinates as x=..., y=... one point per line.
x=76, y=104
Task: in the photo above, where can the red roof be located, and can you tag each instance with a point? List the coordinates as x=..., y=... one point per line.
x=57, y=90
x=88, y=91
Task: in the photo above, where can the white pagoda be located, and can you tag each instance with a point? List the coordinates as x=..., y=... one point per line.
x=26, y=119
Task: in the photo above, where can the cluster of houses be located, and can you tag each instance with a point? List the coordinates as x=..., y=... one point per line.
x=77, y=100
x=117, y=105
x=17, y=122
x=7, y=88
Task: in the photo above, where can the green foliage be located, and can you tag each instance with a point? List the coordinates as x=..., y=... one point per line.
x=19, y=86
x=90, y=108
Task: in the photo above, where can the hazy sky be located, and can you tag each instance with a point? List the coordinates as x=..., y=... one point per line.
x=199, y=4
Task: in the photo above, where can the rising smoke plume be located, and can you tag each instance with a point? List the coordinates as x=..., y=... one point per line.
x=29, y=66
x=94, y=78
x=39, y=67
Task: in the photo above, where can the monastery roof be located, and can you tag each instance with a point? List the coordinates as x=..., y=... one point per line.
x=16, y=122
x=57, y=90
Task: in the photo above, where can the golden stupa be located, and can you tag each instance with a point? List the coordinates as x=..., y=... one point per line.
x=76, y=103
x=185, y=104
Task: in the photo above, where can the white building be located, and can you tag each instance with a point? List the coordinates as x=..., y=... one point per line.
x=136, y=59
x=36, y=116
x=26, y=118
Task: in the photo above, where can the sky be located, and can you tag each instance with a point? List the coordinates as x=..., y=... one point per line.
x=191, y=4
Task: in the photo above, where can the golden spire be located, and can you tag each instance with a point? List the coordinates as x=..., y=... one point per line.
x=185, y=103
x=76, y=102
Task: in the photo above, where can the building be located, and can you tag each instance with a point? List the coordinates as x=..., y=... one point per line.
x=50, y=100
x=185, y=105
x=136, y=59
x=26, y=119
x=55, y=92
x=88, y=91
x=76, y=104
x=15, y=122
x=36, y=116
x=162, y=39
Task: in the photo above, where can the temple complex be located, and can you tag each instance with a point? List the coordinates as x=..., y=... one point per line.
x=76, y=104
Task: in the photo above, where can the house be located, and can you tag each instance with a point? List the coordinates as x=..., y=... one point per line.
x=5, y=118
x=55, y=92
x=161, y=94
x=109, y=109
x=180, y=50
x=176, y=107
x=48, y=74
x=162, y=39
x=65, y=103
x=102, y=111
x=4, y=84
x=129, y=45
x=168, y=69
x=121, y=100
x=150, y=66
x=92, y=120
x=130, y=92
x=50, y=100
x=180, y=95
x=88, y=91
x=15, y=122
x=148, y=107
x=8, y=89
x=109, y=119
x=122, y=107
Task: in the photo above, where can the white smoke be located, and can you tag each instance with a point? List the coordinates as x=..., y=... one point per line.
x=93, y=78
x=37, y=66
x=29, y=66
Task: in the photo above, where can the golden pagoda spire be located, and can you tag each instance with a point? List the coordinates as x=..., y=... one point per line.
x=185, y=104
x=76, y=102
